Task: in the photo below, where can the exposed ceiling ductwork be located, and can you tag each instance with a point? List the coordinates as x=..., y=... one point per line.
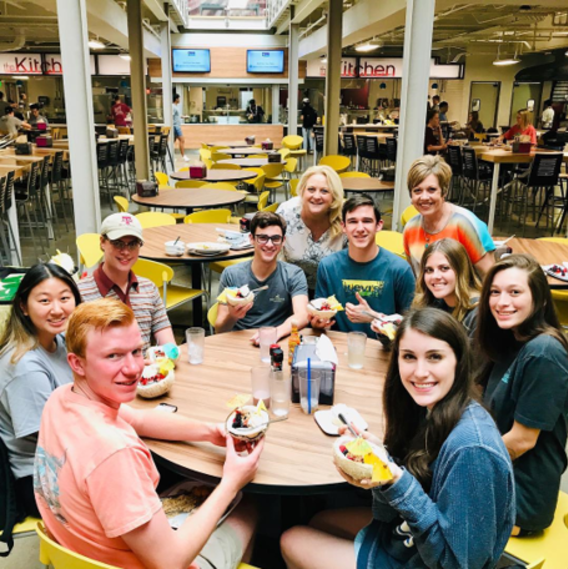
x=18, y=43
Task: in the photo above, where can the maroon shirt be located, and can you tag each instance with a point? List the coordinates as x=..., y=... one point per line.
x=119, y=112
x=105, y=285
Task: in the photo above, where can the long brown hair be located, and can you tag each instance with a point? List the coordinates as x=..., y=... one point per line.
x=467, y=281
x=543, y=319
x=413, y=435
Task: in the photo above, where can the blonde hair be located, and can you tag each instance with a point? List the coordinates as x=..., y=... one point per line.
x=423, y=167
x=526, y=118
x=467, y=281
x=336, y=188
x=98, y=315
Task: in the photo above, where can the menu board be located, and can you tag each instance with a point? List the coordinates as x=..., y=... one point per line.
x=191, y=60
x=265, y=61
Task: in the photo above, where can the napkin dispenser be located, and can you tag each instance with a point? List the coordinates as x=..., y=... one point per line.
x=267, y=145
x=327, y=385
x=274, y=157
x=44, y=141
x=198, y=170
x=146, y=189
x=111, y=132
x=250, y=140
x=23, y=148
x=41, y=126
x=521, y=147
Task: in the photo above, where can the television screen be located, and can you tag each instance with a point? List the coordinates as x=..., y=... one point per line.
x=260, y=61
x=191, y=60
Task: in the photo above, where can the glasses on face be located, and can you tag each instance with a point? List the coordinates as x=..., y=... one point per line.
x=121, y=245
x=264, y=239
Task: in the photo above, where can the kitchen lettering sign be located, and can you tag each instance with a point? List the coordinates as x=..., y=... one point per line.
x=21, y=64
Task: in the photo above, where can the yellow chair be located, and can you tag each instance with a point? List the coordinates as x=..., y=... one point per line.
x=560, y=297
x=216, y=156
x=258, y=186
x=161, y=275
x=354, y=175
x=190, y=184
x=273, y=174
x=225, y=166
x=284, y=152
x=217, y=148
x=23, y=529
x=272, y=207
x=212, y=318
x=392, y=241
x=408, y=214
x=205, y=154
x=89, y=247
x=548, y=546
x=290, y=166
x=155, y=219
x=162, y=179
x=258, y=156
x=294, y=187
x=263, y=200
x=209, y=216
x=121, y=203
x=184, y=169
x=294, y=143
x=208, y=163
x=338, y=163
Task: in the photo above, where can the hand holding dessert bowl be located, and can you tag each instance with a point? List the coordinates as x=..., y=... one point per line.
x=322, y=310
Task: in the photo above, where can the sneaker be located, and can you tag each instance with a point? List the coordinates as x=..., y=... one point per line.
x=186, y=159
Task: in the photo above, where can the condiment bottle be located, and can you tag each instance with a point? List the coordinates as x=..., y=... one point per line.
x=293, y=341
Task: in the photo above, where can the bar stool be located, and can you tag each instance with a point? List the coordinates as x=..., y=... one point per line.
x=46, y=201
x=102, y=165
x=349, y=145
x=57, y=186
x=455, y=160
x=122, y=167
x=362, y=156
x=27, y=198
x=474, y=176
x=373, y=155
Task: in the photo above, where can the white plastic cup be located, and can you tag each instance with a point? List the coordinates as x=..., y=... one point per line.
x=310, y=390
x=356, y=342
x=280, y=393
x=195, y=338
x=266, y=337
x=260, y=385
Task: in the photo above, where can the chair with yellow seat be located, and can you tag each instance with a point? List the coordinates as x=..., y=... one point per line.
x=258, y=156
x=257, y=189
x=209, y=216
x=336, y=162
x=155, y=219
x=217, y=148
x=293, y=143
x=216, y=156
x=263, y=200
x=560, y=297
x=354, y=175
x=225, y=166
x=162, y=180
x=89, y=247
x=273, y=173
x=121, y=203
x=392, y=241
x=208, y=163
x=284, y=152
x=25, y=528
x=190, y=184
x=204, y=154
x=212, y=318
x=184, y=169
x=272, y=207
x=161, y=275
x=294, y=187
x=408, y=214
x=549, y=545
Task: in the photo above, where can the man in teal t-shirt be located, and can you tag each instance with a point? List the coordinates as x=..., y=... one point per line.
x=365, y=278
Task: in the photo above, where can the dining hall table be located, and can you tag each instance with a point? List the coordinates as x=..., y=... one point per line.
x=297, y=457
x=244, y=151
x=235, y=144
x=154, y=249
x=366, y=185
x=217, y=175
x=191, y=198
x=250, y=162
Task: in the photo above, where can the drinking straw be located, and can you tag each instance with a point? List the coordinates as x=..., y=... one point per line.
x=309, y=386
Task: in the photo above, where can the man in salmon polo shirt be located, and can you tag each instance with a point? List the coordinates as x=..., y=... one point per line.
x=95, y=480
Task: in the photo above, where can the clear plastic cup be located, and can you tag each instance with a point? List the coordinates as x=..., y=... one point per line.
x=195, y=338
x=260, y=385
x=309, y=390
x=280, y=392
x=356, y=342
x=266, y=337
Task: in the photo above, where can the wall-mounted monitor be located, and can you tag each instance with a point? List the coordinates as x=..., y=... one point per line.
x=265, y=61
x=191, y=60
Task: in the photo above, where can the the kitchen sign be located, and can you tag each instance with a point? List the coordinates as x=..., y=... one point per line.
x=21, y=64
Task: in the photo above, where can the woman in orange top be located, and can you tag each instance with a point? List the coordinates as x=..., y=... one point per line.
x=522, y=128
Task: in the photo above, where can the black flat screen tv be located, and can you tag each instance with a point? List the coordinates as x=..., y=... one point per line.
x=191, y=60
x=265, y=61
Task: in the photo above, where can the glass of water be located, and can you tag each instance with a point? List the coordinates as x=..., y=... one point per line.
x=266, y=337
x=195, y=338
x=356, y=342
x=309, y=390
x=280, y=391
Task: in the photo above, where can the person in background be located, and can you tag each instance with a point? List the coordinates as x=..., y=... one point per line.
x=434, y=142
x=119, y=112
x=447, y=280
x=547, y=118
x=450, y=502
x=313, y=221
x=474, y=125
x=435, y=103
x=366, y=279
x=10, y=125
x=254, y=112
x=3, y=104
x=523, y=127
x=178, y=134
x=286, y=298
x=36, y=117
x=443, y=108
x=428, y=181
x=16, y=108
x=92, y=470
x=309, y=118
x=33, y=363
x=121, y=239
x=526, y=383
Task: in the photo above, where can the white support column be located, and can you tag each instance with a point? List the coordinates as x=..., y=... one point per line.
x=333, y=76
x=293, y=71
x=275, y=104
x=73, y=37
x=415, y=76
x=167, y=81
x=138, y=88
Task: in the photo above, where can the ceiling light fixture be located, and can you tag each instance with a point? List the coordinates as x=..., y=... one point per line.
x=124, y=56
x=507, y=61
x=96, y=44
x=364, y=47
x=20, y=77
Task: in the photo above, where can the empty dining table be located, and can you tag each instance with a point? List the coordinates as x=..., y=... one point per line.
x=366, y=185
x=191, y=198
x=217, y=175
x=244, y=151
x=250, y=162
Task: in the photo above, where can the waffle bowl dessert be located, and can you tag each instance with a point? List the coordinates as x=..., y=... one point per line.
x=157, y=379
x=248, y=423
x=236, y=296
x=324, y=308
x=362, y=460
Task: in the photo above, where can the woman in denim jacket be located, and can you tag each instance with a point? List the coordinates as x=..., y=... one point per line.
x=451, y=503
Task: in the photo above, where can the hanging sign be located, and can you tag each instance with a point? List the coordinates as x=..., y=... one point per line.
x=53, y=64
x=21, y=64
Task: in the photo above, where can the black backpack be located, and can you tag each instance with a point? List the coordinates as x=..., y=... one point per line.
x=11, y=509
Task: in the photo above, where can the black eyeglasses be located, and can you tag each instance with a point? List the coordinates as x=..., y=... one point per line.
x=131, y=245
x=264, y=239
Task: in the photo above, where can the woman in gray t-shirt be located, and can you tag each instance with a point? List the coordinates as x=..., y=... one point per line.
x=33, y=362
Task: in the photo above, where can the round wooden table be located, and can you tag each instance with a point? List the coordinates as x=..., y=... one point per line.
x=190, y=198
x=250, y=162
x=367, y=185
x=297, y=457
x=231, y=143
x=244, y=151
x=217, y=175
x=239, y=147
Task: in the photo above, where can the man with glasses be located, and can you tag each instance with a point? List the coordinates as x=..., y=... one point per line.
x=121, y=239
x=286, y=298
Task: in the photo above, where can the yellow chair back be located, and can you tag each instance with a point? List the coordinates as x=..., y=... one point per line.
x=284, y=152
x=89, y=247
x=258, y=183
x=294, y=187
x=338, y=163
x=190, y=184
x=185, y=169
x=208, y=163
x=225, y=166
x=263, y=200
x=292, y=142
x=162, y=179
x=212, y=318
x=220, y=186
x=205, y=154
x=155, y=219
x=354, y=175
x=272, y=207
x=57, y=556
x=408, y=214
x=217, y=148
x=215, y=156
x=291, y=165
x=272, y=170
x=158, y=273
x=258, y=156
x=209, y=216
x=392, y=241
x=121, y=203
